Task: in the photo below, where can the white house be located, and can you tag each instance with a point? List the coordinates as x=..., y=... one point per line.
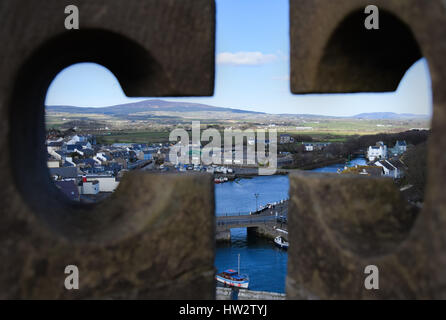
x=379, y=151
x=89, y=187
x=99, y=162
x=53, y=153
x=53, y=163
x=107, y=183
x=86, y=145
x=401, y=145
x=79, y=152
x=74, y=139
x=70, y=161
x=394, y=169
x=286, y=138
x=101, y=157
x=309, y=147
x=400, y=148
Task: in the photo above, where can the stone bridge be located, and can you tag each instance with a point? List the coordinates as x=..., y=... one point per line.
x=154, y=238
x=247, y=221
x=263, y=224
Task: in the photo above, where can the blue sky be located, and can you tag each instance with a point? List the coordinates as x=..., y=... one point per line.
x=252, y=72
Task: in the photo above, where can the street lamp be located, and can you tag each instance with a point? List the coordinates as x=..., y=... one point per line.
x=257, y=197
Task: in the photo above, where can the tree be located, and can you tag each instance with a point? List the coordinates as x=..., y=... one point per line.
x=415, y=158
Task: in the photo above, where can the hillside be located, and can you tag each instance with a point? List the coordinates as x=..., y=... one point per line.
x=145, y=107
x=164, y=108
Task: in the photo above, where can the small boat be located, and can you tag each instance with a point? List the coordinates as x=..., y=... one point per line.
x=233, y=278
x=280, y=242
x=220, y=179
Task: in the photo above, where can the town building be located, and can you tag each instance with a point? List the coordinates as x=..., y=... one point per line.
x=377, y=152
x=308, y=147
x=53, y=163
x=69, y=189
x=107, y=183
x=89, y=187
x=399, y=148
x=312, y=146
x=391, y=168
x=63, y=173
x=286, y=138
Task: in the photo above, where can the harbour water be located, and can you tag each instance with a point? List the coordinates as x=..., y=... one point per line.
x=360, y=161
x=265, y=264
x=238, y=196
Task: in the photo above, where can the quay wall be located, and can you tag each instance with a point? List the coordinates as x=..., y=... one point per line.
x=268, y=231
x=246, y=294
x=223, y=293
x=223, y=235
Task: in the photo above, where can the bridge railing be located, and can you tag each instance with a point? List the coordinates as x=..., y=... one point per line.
x=249, y=220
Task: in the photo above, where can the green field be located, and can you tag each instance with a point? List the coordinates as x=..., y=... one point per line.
x=133, y=137
x=113, y=129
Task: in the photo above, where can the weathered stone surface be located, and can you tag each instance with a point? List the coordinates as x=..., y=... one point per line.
x=154, y=237
x=223, y=235
x=223, y=293
x=245, y=294
x=331, y=51
x=339, y=225
x=140, y=243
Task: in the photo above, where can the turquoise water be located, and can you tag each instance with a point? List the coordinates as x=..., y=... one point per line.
x=336, y=167
x=238, y=196
x=265, y=264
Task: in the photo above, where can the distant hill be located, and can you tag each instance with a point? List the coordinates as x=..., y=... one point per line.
x=389, y=116
x=146, y=106
x=308, y=116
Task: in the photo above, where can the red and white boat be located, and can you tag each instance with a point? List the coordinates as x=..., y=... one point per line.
x=220, y=180
x=233, y=278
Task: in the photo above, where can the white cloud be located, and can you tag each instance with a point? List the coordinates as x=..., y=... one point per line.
x=245, y=58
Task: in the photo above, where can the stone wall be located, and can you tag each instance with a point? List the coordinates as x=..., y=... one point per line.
x=339, y=225
x=223, y=293
x=143, y=241
x=154, y=237
x=223, y=235
x=269, y=231
x=244, y=294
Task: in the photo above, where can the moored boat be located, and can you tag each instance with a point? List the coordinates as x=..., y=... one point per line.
x=233, y=278
x=280, y=242
x=221, y=179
